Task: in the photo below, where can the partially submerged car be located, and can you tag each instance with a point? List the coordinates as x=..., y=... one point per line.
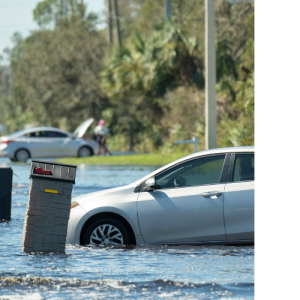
x=47, y=142
x=204, y=198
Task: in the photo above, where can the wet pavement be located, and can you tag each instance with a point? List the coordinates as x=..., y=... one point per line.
x=152, y=272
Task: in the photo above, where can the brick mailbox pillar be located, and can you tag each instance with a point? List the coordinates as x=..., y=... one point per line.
x=48, y=209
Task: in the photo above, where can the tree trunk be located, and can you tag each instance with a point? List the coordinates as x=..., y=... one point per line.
x=110, y=23
x=118, y=23
x=180, y=11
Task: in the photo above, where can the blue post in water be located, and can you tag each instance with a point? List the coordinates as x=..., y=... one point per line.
x=5, y=193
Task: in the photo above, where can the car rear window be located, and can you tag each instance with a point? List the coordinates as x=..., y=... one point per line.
x=16, y=133
x=243, y=167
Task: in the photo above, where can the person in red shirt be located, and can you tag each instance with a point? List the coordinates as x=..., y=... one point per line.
x=101, y=133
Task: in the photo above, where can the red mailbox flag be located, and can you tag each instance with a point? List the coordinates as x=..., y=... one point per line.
x=41, y=171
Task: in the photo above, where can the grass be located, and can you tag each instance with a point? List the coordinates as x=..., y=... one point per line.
x=140, y=159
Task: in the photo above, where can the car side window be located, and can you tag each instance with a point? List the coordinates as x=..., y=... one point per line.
x=200, y=171
x=56, y=134
x=36, y=134
x=243, y=167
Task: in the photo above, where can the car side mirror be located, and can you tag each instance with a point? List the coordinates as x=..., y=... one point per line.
x=150, y=184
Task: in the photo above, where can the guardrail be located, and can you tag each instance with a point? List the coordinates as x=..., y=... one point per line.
x=193, y=141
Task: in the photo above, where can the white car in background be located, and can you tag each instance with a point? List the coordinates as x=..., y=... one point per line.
x=204, y=198
x=47, y=142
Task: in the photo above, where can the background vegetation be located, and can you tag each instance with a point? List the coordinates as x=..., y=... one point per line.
x=149, y=90
x=155, y=159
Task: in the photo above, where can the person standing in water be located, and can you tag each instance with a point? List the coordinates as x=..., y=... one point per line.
x=101, y=133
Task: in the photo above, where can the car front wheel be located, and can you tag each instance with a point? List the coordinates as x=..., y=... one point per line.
x=22, y=155
x=85, y=152
x=107, y=232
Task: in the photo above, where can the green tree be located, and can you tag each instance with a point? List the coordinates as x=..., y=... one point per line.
x=57, y=72
x=57, y=12
x=139, y=75
x=236, y=125
x=151, y=90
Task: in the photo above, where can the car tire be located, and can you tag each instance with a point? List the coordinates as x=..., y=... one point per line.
x=107, y=232
x=22, y=155
x=85, y=151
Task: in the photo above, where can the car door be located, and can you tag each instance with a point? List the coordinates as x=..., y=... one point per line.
x=38, y=144
x=239, y=197
x=62, y=144
x=186, y=204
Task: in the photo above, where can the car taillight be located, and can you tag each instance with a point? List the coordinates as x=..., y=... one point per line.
x=6, y=142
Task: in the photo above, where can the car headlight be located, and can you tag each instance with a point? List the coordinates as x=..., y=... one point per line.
x=74, y=204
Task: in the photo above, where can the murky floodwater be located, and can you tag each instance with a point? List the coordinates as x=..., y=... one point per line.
x=152, y=272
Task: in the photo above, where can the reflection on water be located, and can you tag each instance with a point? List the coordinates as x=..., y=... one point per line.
x=183, y=272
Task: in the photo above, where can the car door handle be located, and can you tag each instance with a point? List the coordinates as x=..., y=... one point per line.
x=210, y=194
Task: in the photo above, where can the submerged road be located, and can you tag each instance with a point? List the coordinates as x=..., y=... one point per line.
x=152, y=272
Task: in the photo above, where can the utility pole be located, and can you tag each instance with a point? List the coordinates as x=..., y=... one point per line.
x=118, y=23
x=210, y=77
x=168, y=8
x=110, y=23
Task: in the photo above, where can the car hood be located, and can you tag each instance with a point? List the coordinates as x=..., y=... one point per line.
x=80, y=131
x=113, y=193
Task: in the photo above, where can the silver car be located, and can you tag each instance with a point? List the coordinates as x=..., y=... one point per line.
x=47, y=142
x=206, y=197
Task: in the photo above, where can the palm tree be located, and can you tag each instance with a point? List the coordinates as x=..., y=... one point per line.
x=141, y=72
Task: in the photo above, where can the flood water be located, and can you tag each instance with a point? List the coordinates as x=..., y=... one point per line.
x=147, y=271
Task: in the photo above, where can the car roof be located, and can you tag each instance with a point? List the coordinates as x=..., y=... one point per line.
x=199, y=154
x=223, y=150
x=42, y=129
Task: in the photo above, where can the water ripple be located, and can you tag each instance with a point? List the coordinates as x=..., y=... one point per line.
x=152, y=289
x=145, y=271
